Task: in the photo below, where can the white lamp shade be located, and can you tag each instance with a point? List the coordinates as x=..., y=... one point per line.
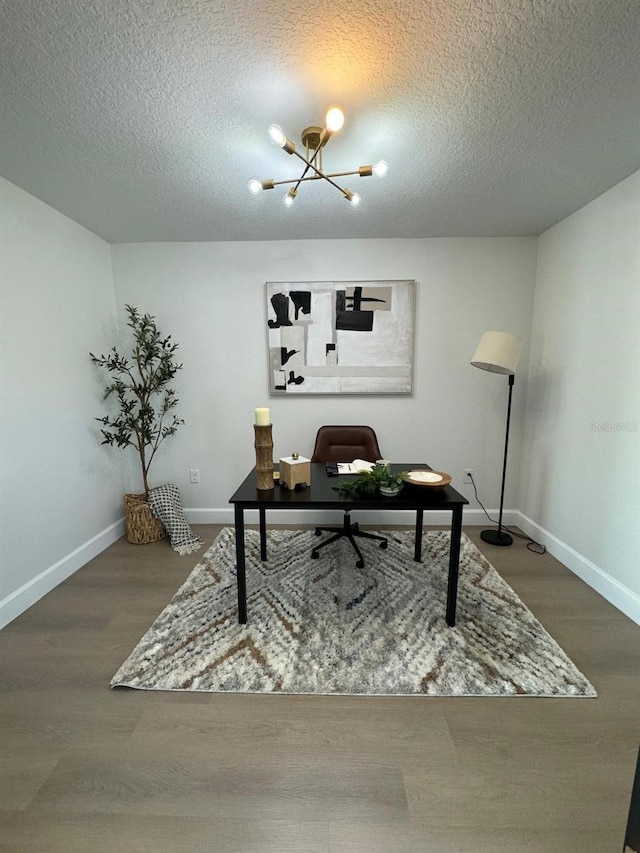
x=498, y=352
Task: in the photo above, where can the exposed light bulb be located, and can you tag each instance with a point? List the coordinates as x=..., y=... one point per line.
x=381, y=168
x=290, y=197
x=352, y=198
x=334, y=119
x=254, y=186
x=277, y=134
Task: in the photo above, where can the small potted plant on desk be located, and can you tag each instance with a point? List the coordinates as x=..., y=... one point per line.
x=380, y=478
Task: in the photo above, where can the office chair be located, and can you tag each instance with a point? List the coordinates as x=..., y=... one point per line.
x=344, y=444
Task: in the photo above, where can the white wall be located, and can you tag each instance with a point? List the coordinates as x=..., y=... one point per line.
x=581, y=462
x=210, y=297
x=60, y=490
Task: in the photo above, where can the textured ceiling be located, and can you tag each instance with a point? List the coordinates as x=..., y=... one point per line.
x=144, y=119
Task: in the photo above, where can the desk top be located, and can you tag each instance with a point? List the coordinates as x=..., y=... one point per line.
x=321, y=494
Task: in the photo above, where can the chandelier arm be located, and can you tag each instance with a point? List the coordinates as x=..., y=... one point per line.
x=317, y=171
x=298, y=180
x=345, y=174
x=320, y=176
x=309, y=165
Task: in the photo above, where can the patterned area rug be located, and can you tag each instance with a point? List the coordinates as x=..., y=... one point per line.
x=323, y=626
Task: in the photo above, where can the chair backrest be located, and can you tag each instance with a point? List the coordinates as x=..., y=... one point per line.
x=346, y=443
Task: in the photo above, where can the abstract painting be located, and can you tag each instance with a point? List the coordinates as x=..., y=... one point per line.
x=340, y=337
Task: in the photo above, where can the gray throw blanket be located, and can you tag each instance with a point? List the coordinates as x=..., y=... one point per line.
x=166, y=506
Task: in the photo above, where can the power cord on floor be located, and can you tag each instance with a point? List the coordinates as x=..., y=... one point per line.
x=532, y=545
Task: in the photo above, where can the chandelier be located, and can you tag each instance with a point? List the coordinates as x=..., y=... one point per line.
x=314, y=140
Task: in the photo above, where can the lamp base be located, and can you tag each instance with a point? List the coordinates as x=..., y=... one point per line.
x=496, y=537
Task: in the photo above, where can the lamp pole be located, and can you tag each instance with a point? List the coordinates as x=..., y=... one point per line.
x=499, y=352
x=499, y=537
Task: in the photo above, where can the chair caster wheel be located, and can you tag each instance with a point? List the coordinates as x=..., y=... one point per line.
x=318, y=532
x=360, y=564
x=384, y=545
x=314, y=555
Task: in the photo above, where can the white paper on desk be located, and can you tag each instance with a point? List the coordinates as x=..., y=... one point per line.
x=355, y=467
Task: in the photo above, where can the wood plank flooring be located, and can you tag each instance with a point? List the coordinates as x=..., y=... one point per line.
x=85, y=768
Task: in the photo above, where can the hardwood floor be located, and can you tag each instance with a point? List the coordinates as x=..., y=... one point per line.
x=85, y=768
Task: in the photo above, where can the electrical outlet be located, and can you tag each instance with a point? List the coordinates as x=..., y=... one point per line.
x=468, y=475
x=194, y=475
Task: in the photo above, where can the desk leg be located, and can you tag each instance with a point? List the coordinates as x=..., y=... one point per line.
x=417, y=555
x=263, y=533
x=240, y=565
x=454, y=565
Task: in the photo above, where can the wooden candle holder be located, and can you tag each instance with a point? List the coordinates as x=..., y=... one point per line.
x=263, y=444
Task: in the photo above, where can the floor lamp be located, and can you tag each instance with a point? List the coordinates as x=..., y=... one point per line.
x=498, y=352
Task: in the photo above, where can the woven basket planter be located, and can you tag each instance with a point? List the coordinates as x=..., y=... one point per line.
x=141, y=527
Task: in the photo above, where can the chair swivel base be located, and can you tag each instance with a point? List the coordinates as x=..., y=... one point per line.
x=350, y=532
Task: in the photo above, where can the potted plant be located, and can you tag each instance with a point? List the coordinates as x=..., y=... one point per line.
x=381, y=478
x=145, y=416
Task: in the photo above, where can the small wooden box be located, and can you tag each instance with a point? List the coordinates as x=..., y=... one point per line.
x=294, y=472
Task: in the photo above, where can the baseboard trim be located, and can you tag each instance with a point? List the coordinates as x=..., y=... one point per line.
x=620, y=596
x=33, y=590
x=474, y=517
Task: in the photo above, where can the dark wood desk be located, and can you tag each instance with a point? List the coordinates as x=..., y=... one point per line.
x=321, y=495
